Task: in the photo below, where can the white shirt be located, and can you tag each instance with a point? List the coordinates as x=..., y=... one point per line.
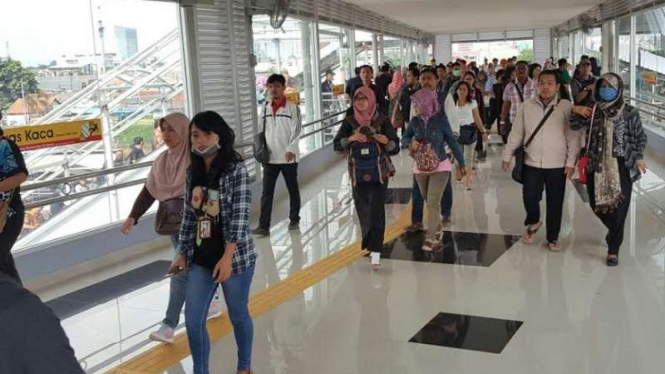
x=460, y=116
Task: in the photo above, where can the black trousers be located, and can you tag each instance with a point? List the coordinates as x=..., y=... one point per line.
x=553, y=181
x=615, y=220
x=370, y=202
x=270, y=175
x=7, y=239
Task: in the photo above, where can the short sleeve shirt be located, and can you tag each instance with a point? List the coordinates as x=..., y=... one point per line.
x=11, y=163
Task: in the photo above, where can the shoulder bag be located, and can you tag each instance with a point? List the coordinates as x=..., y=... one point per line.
x=169, y=217
x=584, y=159
x=518, y=170
x=260, y=146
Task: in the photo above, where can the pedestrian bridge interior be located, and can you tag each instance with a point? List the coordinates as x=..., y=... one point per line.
x=485, y=300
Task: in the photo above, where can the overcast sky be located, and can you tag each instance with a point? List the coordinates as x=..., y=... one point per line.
x=39, y=31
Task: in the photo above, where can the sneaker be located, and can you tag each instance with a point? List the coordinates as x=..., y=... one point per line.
x=164, y=334
x=415, y=227
x=294, y=226
x=260, y=231
x=375, y=260
x=215, y=309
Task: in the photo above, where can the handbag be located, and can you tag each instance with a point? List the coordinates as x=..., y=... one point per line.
x=518, y=170
x=584, y=160
x=468, y=135
x=426, y=158
x=169, y=217
x=260, y=146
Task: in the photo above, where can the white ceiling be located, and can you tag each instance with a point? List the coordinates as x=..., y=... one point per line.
x=442, y=16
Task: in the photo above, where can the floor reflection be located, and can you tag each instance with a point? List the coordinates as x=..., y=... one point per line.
x=464, y=248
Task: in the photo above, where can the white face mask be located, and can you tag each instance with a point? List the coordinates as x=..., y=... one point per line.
x=208, y=152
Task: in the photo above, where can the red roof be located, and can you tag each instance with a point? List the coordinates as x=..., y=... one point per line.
x=37, y=104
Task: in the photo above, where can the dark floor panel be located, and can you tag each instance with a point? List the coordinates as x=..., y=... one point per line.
x=581, y=190
x=473, y=333
x=398, y=196
x=100, y=293
x=463, y=248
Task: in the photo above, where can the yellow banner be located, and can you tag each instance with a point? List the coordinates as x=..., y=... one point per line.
x=649, y=77
x=293, y=97
x=29, y=138
x=338, y=89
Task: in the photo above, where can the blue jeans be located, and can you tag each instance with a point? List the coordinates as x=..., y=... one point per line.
x=201, y=289
x=417, y=202
x=178, y=288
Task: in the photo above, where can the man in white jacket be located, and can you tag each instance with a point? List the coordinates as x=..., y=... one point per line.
x=283, y=126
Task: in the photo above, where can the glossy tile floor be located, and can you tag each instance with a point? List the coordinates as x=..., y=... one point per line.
x=544, y=312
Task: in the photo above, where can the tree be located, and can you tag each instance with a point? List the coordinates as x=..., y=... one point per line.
x=525, y=54
x=12, y=76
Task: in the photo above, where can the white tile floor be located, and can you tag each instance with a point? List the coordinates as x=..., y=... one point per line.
x=579, y=316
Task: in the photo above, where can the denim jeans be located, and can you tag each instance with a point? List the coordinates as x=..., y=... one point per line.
x=201, y=288
x=178, y=288
x=417, y=202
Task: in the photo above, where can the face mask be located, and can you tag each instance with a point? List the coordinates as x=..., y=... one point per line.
x=208, y=152
x=608, y=93
x=456, y=73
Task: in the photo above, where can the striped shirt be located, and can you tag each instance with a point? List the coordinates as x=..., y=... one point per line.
x=235, y=201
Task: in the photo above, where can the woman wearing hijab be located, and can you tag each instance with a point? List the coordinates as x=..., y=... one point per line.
x=166, y=182
x=616, y=158
x=367, y=136
x=430, y=128
x=393, y=91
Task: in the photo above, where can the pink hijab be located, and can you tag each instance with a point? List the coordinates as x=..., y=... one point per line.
x=427, y=101
x=396, y=84
x=166, y=180
x=365, y=118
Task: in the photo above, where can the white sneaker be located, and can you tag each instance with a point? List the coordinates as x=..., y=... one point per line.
x=215, y=309
x=164, y=334
x=375, y=260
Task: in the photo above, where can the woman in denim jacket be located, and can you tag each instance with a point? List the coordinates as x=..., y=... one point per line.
x=431, y=126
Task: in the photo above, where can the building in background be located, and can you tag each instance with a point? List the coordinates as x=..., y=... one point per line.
x=127, y=42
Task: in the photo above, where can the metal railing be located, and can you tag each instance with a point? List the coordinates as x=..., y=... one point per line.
x=120, y=169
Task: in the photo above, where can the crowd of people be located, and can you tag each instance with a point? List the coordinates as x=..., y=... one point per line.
x=440, y=115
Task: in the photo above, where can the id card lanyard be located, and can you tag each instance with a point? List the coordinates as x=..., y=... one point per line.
x=208, y=210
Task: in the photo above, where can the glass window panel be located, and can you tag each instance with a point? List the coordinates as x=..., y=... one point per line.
x=650, y=74
x=478, y=52
x=62, y=59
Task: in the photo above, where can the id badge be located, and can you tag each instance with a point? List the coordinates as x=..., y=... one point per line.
x=205, y=228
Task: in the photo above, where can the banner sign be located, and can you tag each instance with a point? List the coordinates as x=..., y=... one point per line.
x=338, y=89
x=293, y=97
x=29, y=138
x=649, y=77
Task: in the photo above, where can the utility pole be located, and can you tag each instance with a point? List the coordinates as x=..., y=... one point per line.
x=101, y=36
x=9, y=56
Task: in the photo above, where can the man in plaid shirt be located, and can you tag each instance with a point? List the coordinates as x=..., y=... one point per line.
x=516, y=93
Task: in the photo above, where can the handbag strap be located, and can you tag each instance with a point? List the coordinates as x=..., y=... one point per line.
x=593, y=115
x=265, y=110
x=540, y=125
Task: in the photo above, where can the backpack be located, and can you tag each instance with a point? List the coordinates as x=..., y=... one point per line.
x=366, y=163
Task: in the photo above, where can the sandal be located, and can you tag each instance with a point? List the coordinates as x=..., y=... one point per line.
x=530, y=233
x=553, y=246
